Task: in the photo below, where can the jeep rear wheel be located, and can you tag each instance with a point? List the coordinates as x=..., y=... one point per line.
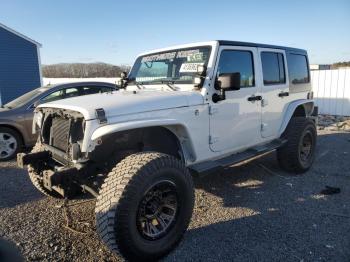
x=145, y=206
x=299, y=152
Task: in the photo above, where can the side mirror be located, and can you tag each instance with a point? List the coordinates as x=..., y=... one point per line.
x=229, y=81
x=123, y=80
x=123, y=75
x=226, y=82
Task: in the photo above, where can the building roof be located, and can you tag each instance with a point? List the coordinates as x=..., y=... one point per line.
x=237, y=43
x=20, y=35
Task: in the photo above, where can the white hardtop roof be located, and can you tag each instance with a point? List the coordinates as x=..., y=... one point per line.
x=20, y=35
x=209, y=43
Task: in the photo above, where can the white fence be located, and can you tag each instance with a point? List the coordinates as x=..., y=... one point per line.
x=332, y=91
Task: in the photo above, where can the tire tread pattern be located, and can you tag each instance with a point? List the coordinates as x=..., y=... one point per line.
x=287, y=155
x=119, y=187
x=35, y=178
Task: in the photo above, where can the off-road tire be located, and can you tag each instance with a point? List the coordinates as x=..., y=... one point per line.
x=289, y=156
x=35, y=177
x=119, y=200
x=16, y=136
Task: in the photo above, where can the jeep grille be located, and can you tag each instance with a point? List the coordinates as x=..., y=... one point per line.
x=59, y=135
x=61, y=129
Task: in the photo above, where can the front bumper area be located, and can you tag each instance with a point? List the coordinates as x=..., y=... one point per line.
x=24, y=159
x=65, y=180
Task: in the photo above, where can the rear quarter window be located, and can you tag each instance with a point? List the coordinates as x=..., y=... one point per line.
x=273, y=68
x=298, y=69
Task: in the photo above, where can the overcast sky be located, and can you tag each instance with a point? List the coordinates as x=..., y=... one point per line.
x=116, y=31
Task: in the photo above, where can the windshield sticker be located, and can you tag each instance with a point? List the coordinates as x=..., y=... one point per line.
x=159, y=57
x=186, y=53
x=191, y=55
x=189, y=67
x=195, y=58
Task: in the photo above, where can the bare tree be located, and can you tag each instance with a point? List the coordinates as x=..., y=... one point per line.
x=83, y=70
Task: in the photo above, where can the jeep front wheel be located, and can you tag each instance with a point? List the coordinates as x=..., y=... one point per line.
x=298, y=154
x=145, y=205
x=36, y=178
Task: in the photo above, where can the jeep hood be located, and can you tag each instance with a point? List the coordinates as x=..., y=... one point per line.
x=127, y=102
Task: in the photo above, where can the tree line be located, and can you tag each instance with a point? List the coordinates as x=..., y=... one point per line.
x=340, y=64
x=83, y=70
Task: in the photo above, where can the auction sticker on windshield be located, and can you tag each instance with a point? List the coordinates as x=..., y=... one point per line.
x=159, y=57
x=189, y=67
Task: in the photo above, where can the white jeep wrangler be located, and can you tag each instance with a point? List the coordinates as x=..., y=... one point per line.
x=182, y=110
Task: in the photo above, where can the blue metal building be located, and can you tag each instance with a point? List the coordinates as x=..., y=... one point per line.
x=20, y=67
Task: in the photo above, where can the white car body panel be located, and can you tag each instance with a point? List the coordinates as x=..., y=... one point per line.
x=272, y=105
x=127, y=102
x=191, y=126
x=235, y=121
x=290, y=108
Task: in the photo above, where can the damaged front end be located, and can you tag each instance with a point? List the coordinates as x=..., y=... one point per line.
x=62, y=133
x=58, y=160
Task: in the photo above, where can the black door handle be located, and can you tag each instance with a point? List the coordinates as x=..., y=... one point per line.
x=254, y=98
x=282, y=94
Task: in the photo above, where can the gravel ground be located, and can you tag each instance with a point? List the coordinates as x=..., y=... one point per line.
x=248, y=212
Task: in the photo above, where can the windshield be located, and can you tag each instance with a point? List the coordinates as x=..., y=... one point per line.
x=22, y=100
x=175, y=66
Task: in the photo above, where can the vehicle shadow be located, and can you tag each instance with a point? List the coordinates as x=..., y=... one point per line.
x=257, y=212
x=16, y=187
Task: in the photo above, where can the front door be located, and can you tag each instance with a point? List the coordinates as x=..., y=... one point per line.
x=235, y=121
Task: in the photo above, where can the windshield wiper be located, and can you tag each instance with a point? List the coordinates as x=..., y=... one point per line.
x=138, y=86
x=171, y=86
x=169, y=83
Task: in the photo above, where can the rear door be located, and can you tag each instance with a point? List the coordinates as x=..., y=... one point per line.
x=235, y=121
x=275, y=90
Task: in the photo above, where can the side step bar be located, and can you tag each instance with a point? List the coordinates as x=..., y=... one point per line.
x=207, y=167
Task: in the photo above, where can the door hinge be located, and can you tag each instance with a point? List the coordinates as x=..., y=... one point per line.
x=213, y=140
x=213, y=110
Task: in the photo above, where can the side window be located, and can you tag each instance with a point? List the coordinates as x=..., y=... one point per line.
x=235, y=61
x=105, y=89
x=71, y=92
x=89, y=90
x=61, y=94
x=298, y=69
x=273, y=68
x=54, y=96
